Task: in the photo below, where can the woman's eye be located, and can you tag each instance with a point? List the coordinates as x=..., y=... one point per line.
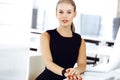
x=61, y=12
x=69, y=12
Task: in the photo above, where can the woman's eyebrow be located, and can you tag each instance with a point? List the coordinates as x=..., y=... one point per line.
x=66, y=10
x=60, y=9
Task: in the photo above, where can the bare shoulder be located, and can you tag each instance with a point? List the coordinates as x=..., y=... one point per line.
x=45, y=35
x=83, y=42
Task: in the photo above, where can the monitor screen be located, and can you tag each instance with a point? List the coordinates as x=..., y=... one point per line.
x=90, y=25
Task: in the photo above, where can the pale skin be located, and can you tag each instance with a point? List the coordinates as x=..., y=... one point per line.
x=65, y=14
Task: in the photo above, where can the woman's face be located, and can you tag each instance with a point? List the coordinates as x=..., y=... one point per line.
x=65, y=14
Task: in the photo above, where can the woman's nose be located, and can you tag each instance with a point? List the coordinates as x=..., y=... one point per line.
x=64, y=15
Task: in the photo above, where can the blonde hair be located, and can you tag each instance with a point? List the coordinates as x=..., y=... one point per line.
x=73, y=4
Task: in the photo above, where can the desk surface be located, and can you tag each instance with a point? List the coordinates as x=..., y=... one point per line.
x=98, y=39
x=112, y=75
x=100, y=50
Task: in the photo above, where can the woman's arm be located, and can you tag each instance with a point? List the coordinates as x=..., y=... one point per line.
x=81, y=62
x=74, y=73
x=46, y=54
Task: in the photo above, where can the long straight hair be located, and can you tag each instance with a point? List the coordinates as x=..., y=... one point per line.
x=74, y=5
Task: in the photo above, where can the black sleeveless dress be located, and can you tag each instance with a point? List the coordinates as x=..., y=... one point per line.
x=64, y=53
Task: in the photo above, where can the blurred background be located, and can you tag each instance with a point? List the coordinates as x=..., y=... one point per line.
x=22, y=22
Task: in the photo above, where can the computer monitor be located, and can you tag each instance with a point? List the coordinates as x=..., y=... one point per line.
x=90, y=25
x=116, y=24
x=114, y=61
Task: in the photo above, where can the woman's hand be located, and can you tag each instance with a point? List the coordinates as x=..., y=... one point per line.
x=73, y=74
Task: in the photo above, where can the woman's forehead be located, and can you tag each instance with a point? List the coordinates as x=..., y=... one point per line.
x=65, y=6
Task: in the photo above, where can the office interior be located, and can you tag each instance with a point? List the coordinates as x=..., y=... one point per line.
x=23, y=21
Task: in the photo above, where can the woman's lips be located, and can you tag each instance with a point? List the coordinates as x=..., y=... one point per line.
x=64, y=21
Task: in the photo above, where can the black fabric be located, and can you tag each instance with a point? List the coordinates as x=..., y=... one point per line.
x=48, y=75
x=64, y=50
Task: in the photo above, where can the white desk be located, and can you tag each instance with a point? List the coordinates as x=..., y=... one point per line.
x=99, y=39
x=113, y=75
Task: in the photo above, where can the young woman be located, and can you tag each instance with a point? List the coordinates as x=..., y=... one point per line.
x=62, y=47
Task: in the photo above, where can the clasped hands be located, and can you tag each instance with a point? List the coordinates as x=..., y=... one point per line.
x=72, y=74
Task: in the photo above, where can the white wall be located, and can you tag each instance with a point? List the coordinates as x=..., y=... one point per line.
x=15, y=21
x=15, y=24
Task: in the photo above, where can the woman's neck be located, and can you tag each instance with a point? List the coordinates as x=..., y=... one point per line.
x=65, y=31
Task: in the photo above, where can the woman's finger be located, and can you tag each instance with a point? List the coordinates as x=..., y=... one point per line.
x=79, y=77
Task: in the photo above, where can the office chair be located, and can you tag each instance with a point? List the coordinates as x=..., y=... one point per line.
x=36, y=66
